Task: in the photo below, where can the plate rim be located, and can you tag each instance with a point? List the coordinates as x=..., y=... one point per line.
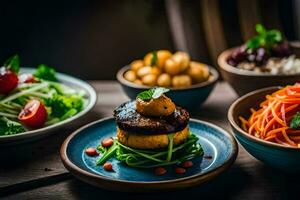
x=34, y=133
x=74, y=169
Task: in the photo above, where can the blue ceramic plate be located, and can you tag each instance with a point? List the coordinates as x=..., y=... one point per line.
x=216, y=142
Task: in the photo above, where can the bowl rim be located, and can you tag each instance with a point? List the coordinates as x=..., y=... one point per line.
x=221, y=60
x=243, y=133
x=214, y=74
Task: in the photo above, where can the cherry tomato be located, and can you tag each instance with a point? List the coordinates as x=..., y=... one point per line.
x=187, y=164
x=179, y=170
x=108, y=166
x=160, y=171
x=91, y=151
x=107, y=142
x=34, y=114
x=26, y=78
x=8, y=80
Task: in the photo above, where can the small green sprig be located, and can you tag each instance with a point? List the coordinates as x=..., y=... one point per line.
x=153, y=93
x=295, y=123
x=265, y=38
x=13, y=64
x=154, y=58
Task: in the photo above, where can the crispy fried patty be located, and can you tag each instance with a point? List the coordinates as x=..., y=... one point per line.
x=128, y=119
x=139, y=141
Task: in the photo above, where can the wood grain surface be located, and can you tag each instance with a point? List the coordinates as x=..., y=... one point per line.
x=34, y=171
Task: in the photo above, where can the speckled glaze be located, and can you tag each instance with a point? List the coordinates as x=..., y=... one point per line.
x=215, y=141
x=284, y=158
x=191, y=97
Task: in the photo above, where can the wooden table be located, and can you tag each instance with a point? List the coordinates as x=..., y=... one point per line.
x=35, y=171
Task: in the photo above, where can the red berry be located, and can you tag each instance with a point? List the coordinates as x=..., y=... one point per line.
x=8, y=81
x=179, y=170
x=208, y=157
x=108, y=166
x=107, y=142
x=34, y=114
x=91, y=151
x=160, y=171
x=187, y=164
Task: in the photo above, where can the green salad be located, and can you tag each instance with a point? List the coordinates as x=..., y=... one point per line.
x=32, y=101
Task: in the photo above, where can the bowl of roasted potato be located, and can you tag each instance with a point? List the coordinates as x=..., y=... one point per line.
x=190, y=82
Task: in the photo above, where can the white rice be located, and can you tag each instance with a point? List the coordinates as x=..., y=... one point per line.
x=276, y=66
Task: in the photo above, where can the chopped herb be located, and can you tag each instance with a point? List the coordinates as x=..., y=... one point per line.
x=46, y=73
x=154, y=58
x=9, y=127
x=153, y=93
x=13, y=63
x=295, y=123
x=265, y=38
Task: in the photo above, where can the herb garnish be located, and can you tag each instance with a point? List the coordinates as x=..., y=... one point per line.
x=153, y=93
x=13, y=63
x=46, y=73
x=154, y=58
x=265, y=38
x=295, y=123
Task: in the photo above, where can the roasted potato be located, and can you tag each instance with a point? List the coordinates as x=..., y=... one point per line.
x=180, y=81
x=183, y=60
x=164, y=80
x=136, y=65
x=138, y=81
x=172, y=67
x=162, y=56
x=130, y=75
x=198, y=72
x=149, y=79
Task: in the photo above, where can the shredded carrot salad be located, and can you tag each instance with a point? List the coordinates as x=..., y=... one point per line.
x=271, y=122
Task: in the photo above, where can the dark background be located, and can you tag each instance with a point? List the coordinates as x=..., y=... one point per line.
x=92, y=39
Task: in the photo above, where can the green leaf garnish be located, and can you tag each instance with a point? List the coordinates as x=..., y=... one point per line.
x=13, y=63
x=265, y=38
x=153, y=93
x=9, y=127
x=45, y=72
x=154, y=58
x=295, y=123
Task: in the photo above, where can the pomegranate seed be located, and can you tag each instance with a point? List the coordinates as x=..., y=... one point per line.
x=208, y=157
x=91, y=151
x=107, y=142
x=187, y=164
x=179, y=170
x=160, y=171
x=108, y=166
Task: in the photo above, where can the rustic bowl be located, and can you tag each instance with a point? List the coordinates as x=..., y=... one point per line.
x=281, y=157
x=190, y=97
x=243, y=81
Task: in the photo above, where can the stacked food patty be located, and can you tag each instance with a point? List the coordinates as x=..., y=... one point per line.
x=146, y=130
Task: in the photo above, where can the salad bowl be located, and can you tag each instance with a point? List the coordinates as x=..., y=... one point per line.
x=75, y=83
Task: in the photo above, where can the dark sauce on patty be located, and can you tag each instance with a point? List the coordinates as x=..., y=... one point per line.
x=128, y=119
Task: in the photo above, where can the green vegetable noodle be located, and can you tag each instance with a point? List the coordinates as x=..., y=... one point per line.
x=153, y=158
